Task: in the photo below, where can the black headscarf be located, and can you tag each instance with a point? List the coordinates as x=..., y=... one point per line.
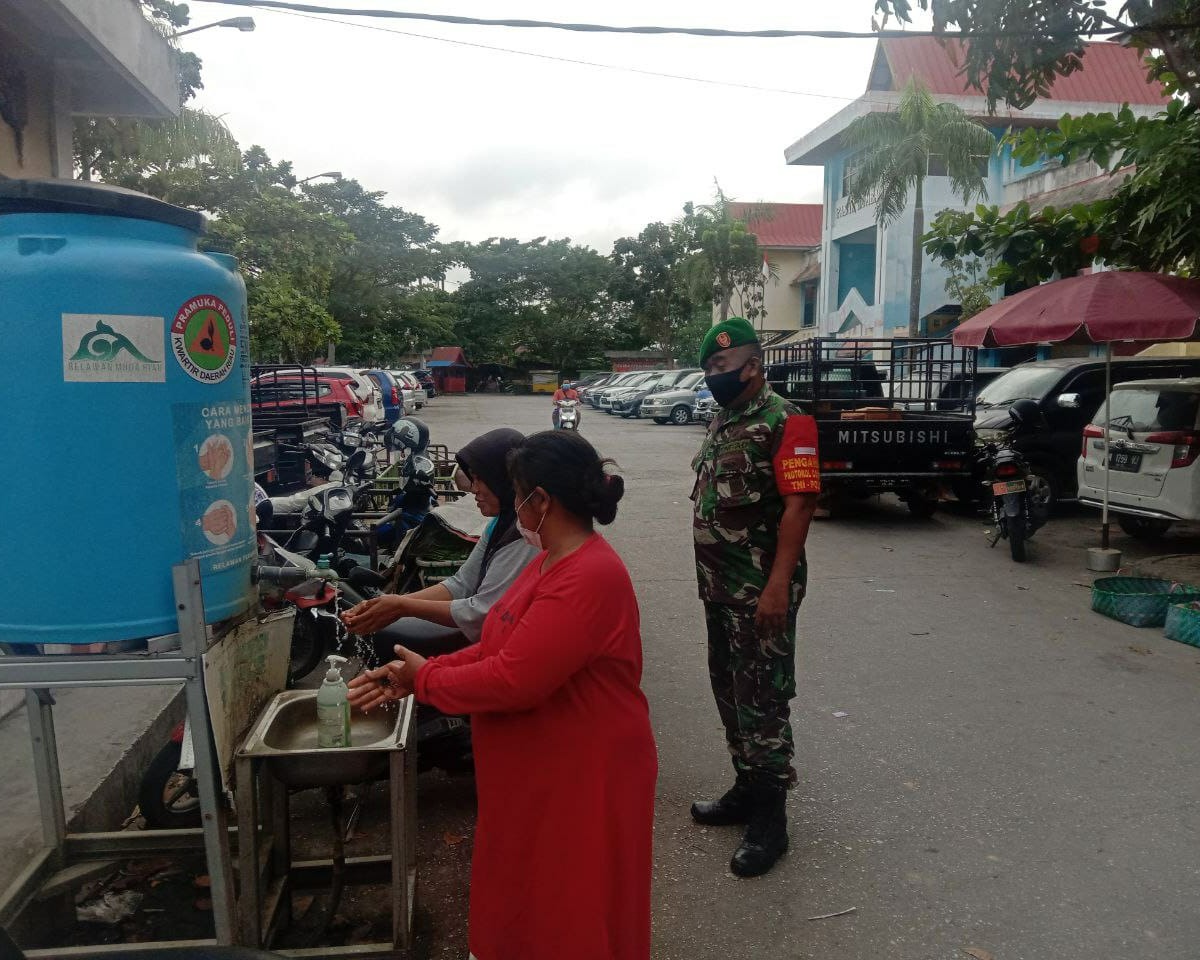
x=486, y=457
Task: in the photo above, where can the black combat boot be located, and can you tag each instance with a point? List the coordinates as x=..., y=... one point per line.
x=766, y=839
x=730, y=809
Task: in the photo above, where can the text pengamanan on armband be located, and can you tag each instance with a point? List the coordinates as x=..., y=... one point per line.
x=797, y=464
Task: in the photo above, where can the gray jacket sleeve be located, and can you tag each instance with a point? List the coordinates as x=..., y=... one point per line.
x=463, y=583
x=470, y=611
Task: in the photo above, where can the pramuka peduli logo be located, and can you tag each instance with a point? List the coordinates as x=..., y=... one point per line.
x=204, y=339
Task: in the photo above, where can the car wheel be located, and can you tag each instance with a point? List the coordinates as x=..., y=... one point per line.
x=1143, y=528
x=681, y=415
x=1043, y=489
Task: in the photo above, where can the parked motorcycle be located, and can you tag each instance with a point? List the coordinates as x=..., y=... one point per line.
x=1014, y=512
x=415, y=495
x=568, y=415
x=168, y=796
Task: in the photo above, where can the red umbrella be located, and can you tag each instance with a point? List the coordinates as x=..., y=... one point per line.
x=1097, y=308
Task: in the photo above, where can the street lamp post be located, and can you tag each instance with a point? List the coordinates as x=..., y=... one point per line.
x=332, y=174
x=244, y=24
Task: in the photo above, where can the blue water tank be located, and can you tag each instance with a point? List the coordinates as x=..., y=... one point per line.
x=126, y=402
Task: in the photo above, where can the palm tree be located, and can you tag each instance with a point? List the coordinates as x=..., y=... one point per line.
x=893, y=160
x=726, y=259
x=114, y=147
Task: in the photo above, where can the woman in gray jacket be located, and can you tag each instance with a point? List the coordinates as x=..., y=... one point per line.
x=450, y=614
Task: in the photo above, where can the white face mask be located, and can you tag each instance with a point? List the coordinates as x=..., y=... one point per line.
x=531, y=537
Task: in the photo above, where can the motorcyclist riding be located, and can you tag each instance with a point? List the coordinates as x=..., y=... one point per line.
x=566, y=392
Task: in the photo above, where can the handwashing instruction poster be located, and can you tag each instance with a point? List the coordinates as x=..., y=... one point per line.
x=213, y=458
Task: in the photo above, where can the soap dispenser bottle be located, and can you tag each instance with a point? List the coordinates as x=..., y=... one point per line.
x=333, y=707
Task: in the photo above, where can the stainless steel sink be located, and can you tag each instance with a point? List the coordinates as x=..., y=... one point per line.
x=285, y=735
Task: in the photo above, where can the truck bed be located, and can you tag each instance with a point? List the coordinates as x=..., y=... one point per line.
x=916, y=444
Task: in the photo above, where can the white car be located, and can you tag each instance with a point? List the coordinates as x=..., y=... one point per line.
x=414, y=394
x=1154, y=443
x=676, y=405
x=364, y=388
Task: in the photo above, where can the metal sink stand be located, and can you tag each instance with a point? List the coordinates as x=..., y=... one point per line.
x=269, y=875
x=65, y=858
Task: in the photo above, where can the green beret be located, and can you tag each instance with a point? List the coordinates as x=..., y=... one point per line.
x=734, y=332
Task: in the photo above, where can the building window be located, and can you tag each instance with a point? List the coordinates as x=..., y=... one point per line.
x=937, y=165
x=808, y=314
x=850, y=168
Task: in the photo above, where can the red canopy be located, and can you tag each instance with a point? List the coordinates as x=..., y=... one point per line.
x=1097, y=308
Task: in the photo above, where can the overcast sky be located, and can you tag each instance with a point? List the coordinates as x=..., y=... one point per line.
x=487, y=143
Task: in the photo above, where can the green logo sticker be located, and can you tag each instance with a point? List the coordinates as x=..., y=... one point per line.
x=204, y=339
x=106, y=348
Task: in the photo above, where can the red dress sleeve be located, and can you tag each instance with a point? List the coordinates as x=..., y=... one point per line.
x=459, y=657
x=546, y=647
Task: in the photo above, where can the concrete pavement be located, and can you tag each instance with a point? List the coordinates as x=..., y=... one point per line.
x=1014, y=774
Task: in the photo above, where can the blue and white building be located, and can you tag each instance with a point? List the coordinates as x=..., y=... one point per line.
x=866, y=271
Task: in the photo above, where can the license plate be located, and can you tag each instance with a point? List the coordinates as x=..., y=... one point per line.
x=1013, y=486
x=1127, y=462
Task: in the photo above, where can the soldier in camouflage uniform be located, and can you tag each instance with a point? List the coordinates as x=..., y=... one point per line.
x=756, y=488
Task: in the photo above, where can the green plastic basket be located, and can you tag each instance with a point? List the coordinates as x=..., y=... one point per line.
x=1183, y=623
x=1139, y=601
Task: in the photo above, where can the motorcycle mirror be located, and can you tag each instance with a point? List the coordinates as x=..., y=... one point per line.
x=1069, y=401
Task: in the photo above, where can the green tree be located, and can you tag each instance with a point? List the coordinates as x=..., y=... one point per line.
x=969, y=285
x=1022, y=247
x=1147, y=224
x=287, y=324
x=121, y=151
x=405, y=323
x=689, y=336
x=544, y=300
x=894, y=150
x=392, y=250
x=725, y=261
x=649, y=280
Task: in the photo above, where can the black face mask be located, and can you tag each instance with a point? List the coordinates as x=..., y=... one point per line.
x=728, y=386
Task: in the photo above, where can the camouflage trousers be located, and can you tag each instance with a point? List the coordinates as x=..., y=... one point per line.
x=753, y=679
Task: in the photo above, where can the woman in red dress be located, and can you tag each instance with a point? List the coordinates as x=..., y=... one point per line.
x=565, y=761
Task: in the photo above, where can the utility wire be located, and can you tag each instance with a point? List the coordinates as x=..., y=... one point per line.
x=658, y=31
x=586, y=63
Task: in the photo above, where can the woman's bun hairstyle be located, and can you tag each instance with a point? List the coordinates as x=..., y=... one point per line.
x=570, y=470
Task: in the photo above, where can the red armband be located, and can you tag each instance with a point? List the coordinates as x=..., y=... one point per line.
x=797, y=467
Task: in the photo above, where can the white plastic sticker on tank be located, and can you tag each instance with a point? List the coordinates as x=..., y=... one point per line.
x=108, y=348
x=204, y=339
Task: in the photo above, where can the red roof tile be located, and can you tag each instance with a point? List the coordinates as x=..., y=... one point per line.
x=452, y=354
x=782, y=224
x=1111, y=73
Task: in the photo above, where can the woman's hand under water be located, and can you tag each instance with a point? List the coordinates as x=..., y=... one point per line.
x=374, y=614
x=393, y=681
